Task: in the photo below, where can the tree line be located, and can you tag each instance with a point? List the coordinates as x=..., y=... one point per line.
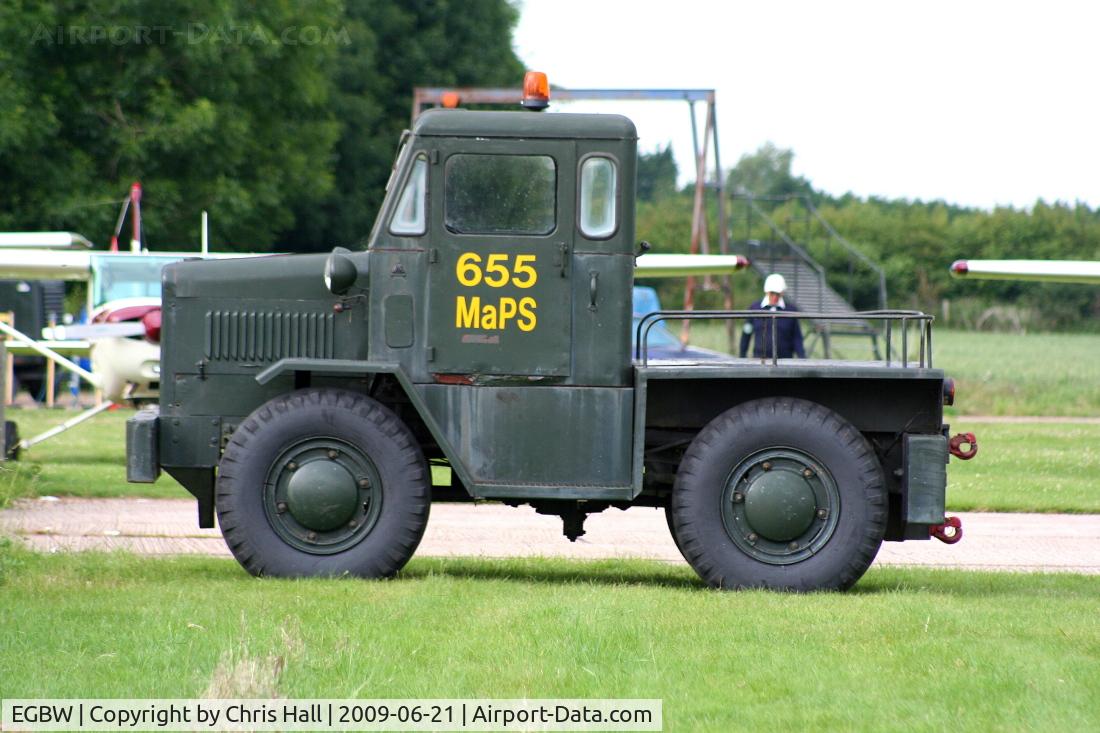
x=280, y=118
x=915, y=243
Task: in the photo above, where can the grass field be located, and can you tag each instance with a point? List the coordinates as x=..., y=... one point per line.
x=1029, y=374
x=89, y=460
x=1026, y=467
x=905, y=650
x=1019, y=467
x=996, y=373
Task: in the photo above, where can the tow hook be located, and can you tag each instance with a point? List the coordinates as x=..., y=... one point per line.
x=950, y=532
x=955, y=446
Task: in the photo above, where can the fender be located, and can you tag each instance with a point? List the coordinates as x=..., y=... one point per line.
x=302, y=368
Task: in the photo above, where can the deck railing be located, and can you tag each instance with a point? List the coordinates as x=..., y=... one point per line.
x=904, y=318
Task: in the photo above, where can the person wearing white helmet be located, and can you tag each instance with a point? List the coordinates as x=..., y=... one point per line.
x=788, y=334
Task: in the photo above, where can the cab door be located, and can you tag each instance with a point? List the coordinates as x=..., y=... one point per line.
x=500, y=296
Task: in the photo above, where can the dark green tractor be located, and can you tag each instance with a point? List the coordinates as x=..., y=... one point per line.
x=487, y=328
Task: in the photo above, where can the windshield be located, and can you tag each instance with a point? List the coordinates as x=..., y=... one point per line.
x=115, y=277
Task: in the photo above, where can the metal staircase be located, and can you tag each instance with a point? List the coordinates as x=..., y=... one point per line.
x=773, y=249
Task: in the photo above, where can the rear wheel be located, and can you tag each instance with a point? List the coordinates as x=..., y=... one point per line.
x=779, y=493
x=323, y=482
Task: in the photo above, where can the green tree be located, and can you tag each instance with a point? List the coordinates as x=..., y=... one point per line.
x=279, y=117
x=767, y=172
x=656, y=174
x=217, y=104
x=395, y=47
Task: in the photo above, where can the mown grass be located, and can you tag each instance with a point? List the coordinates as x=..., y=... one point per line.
x=88, y=460
x=995, y=373
x=1034, y=467
x=1026, y=374
x=1027, y=467
x=905, y=650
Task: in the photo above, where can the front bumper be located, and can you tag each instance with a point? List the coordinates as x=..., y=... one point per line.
x=142, y=450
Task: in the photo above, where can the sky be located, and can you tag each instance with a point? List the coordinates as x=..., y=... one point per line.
x=978, y=104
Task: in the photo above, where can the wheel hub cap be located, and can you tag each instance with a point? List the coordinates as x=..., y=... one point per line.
x=780, y=506
x=322, y=495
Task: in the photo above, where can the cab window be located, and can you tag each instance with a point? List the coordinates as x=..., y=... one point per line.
x=598, y=197
x=500, y=194
x=410, y=218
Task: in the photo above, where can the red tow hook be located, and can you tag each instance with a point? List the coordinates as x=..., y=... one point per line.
x=950, y=532
x=955, y=446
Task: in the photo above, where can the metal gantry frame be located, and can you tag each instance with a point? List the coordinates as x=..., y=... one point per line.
x=427, y=97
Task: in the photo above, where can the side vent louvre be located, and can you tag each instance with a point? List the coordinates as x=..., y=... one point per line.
x=268, y=336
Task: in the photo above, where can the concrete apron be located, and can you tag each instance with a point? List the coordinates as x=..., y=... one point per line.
x=1005, y=542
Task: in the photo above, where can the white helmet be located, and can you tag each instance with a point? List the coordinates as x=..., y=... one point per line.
x=774, y=283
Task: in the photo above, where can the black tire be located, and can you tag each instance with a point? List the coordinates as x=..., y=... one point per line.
x=844, y=497
x=373, y=447
x=672, y=527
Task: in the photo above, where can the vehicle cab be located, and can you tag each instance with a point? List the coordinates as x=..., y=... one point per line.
x=505, y=248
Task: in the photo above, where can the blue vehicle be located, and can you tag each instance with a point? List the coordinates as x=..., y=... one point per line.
x=662, y=343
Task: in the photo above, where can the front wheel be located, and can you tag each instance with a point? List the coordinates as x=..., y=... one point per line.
x=323, y=482
x=779, y=493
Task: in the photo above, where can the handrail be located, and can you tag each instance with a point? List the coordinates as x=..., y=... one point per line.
x=851, y=252
x=792, y=248
x=802, y=254
x=923, y=320
x=809, y=204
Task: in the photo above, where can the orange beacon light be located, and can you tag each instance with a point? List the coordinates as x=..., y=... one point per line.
x=536, y=90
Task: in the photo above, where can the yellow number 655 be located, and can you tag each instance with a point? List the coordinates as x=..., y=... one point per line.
x=496, y=275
